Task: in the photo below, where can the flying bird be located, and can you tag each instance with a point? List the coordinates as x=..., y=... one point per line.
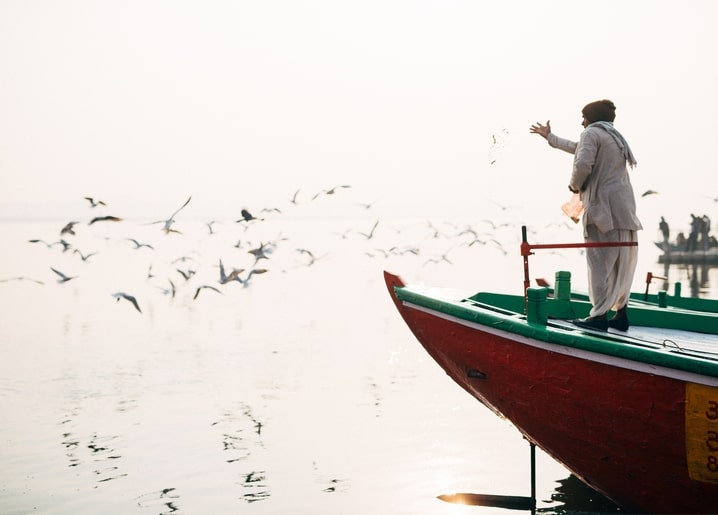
x=474, y=242
x=330, y=191
x=443, y=258
x=48, y=245
x=259, y=252
x=167, y=228
x=95, y=203
x=120, y=295
x=384, y=252
x=65, y=245
x=83, y=256
x=108, y=218
x=437, y=260
x=366, y=205
x=247, y=216
x=210, y=226
x=200, y=288
x=245, y=282
x=185, y=259
x=344, y=233
x=171, y=290
x=370, y=234
x=69, y=228
x=62, y=277
x=312, y=257
x=649, y=192
x=233, y=275
x=188, y=274
x=21, y=278
x=139, y=245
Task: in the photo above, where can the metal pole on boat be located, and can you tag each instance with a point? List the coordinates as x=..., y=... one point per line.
x=525, y=252
x=533, y=476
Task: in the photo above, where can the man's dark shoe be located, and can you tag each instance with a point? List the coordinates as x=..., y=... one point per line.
x=597, y=323
x=620, y=320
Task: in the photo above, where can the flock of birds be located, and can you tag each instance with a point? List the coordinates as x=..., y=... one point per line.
x=431, y=242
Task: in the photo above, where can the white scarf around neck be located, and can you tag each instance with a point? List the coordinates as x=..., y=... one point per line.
x=622, y=143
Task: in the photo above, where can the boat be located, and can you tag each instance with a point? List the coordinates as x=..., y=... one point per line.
x=634, y=414
x=673, y=253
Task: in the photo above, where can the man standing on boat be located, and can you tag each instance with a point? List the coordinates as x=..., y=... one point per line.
x=666, y=232
x=600, y=175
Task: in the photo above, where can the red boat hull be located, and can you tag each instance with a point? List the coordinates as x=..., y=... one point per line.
x=622, y=431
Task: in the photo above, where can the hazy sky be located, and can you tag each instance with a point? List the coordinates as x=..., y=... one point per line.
x=239, y=103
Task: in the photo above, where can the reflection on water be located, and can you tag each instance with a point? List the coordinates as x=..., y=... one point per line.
x=241, y=435
x=696, y=279
x=255, y=484
x=165, y=500
x=571, y=496
x=574, y=498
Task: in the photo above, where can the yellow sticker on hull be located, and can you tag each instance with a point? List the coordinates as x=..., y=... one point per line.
x=702, y=432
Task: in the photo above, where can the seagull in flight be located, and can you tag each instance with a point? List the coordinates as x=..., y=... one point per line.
x=200, y=288
x=366, y=205
x=370, y=234
x=63, y=278
x=69, y=228
x=187, y=274
x=171, y=290
x=210, y=226
x=48, y=245
x=83, y=256
x=259, y=252
x=233, y=275
x=108, y=218
x=65, y=245
x=312, y=257
x=245, y=282
x=95, y=203
x=167, y=228
x=330, y=191
x=139, y=245
x=21, y=278
x=121, y=295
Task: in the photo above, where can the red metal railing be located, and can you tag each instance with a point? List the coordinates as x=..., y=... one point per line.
x=526, y=251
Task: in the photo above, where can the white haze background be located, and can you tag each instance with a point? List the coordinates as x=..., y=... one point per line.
x=423, y=107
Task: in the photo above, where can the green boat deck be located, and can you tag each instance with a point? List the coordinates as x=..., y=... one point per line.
x=660, y=335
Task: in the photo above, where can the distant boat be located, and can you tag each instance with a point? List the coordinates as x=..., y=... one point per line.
x=632, y=414
x=677, y=254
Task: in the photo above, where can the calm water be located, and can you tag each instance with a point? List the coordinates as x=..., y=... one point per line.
x=299, y=392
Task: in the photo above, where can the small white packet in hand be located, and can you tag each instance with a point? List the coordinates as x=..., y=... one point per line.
x=573, y=208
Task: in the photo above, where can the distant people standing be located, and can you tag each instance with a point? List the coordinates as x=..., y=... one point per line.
x=682, y=241
x=692, y=242
x=600, y=174
x=666, y=231
x=705, y=229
